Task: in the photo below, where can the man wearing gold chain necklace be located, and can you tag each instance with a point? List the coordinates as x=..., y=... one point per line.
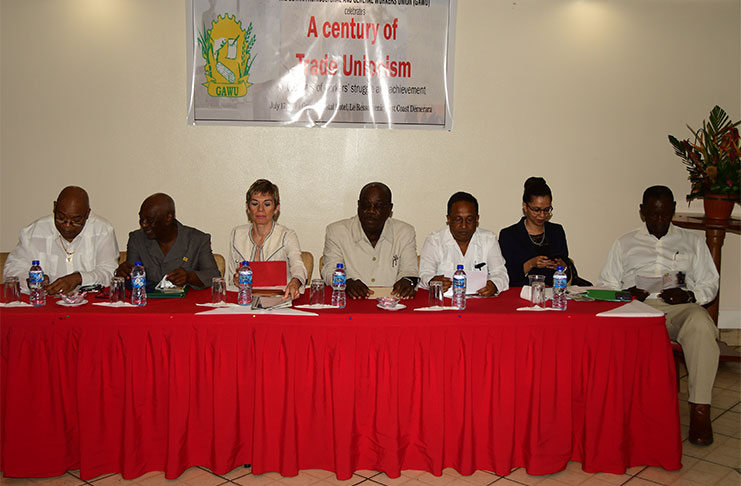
x=73, y=246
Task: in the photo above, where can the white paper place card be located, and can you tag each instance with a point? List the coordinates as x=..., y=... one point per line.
x=115, y=304
x=315, y=306
x=635, y=308
x=436, y=308
x=15, y=304
x=245, y=309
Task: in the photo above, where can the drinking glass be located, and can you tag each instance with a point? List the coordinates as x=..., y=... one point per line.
x=435, y=295
x=317, y=292
x=11, y=290
x=218, y=290
x=537, y=290
x=117, y=291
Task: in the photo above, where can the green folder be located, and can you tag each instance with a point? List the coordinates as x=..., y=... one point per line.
x=162, y=294
x=609, y=295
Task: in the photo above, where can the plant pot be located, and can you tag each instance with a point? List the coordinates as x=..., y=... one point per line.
x=718, y=206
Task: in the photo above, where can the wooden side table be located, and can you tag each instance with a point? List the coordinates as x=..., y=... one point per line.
x=715, y=234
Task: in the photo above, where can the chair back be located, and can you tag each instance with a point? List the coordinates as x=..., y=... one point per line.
x=220, y=262
x=308, y=260
x=3, y=257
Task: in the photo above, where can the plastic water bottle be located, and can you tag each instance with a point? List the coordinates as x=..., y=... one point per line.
x=559, y=289
x=244, y=278
x=339, y=281
x=138, y=285
x=36, y=284
x=459, y=288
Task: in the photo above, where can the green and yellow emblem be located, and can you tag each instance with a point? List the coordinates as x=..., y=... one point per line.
x=226, y=48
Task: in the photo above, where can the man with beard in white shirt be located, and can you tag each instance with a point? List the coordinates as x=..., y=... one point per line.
x=73, y=246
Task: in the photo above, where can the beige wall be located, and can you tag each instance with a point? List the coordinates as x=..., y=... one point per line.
x=582, y=92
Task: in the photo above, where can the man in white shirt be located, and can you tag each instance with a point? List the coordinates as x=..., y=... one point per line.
x=463, y=243
x=658, y=249
x=375, y=249
x=73, y=246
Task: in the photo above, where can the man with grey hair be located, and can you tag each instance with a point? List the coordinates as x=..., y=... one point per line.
x=73, y=246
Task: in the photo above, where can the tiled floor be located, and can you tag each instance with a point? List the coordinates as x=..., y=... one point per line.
x=718, y=464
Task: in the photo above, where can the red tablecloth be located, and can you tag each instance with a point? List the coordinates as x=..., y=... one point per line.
x=160, y=388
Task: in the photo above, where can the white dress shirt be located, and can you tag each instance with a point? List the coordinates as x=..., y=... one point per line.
x=281, y=244
x=441, y=255
x=639, y=253
x=393, y=257
x=93, y=252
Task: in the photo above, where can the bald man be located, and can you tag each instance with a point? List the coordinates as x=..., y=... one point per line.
x=73, y=246
x=168, y=248
x=376, y=249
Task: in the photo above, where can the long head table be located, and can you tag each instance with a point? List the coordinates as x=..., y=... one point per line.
x=132, y=390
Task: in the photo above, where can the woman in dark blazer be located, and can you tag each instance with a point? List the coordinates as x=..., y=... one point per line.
x=534, y=246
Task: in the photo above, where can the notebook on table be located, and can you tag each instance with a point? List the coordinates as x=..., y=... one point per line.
x=266, y=276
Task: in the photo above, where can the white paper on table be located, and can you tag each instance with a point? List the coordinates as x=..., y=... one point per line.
x=537, y=309
x=379, y=292
x=475, y=281
x=527, y=291
x=234, y=309
x=436, y=308
x=17, y=303
x=230, y=287
x=635, y=308
x=165, y=284
x=315, y=306
x=576, y=290
x=115, y=304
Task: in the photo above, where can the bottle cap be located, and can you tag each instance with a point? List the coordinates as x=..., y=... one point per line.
x=245, y=262
x=459, y=267
x=559, y=268
x=35, y=262
x=137, y=264
x=340, y=265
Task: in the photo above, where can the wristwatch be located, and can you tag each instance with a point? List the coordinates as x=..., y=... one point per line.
x=411, y=280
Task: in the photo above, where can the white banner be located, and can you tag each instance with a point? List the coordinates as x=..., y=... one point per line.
x=352, y=63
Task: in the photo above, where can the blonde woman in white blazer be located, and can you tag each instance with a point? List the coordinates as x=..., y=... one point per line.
x=263, y=239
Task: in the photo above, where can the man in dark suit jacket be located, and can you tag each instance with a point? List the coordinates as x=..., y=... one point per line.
x=168, y=248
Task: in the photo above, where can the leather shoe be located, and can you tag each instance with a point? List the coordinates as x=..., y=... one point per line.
x=701, y=432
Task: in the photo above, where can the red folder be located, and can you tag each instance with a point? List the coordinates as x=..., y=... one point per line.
x=268, y=274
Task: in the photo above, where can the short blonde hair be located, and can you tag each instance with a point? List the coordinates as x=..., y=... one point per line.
x=264, y=186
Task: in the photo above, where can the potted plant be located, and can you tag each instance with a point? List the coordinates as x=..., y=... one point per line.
x=713, y=162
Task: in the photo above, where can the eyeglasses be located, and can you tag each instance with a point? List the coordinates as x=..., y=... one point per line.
x=76, y=222
x=548, y=210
